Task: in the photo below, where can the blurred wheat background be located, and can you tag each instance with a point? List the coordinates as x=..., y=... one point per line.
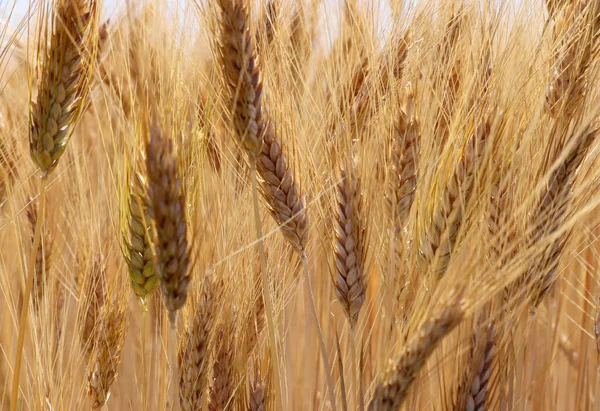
x=299, y=205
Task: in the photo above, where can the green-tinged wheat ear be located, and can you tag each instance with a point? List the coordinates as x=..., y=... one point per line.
x=66, y=71
x=194, y=351
x=106, y=356
x=242, y=76
x=472, y=391
x=43, y=257
x=167, y=200
x=91, y=279
x=439, y=240
x=350, y=248
x=390, y=393
x=143, y=278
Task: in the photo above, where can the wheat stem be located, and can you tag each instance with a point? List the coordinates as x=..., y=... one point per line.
x=322, y=345
x=143, y=342
x=163, y=369
x=25, y=309
x=265, y=283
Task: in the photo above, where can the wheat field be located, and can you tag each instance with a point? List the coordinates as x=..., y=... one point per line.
x=300, y=205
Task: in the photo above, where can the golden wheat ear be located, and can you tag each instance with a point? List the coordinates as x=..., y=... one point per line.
x=109, y=339
x=350, y=253
x=392, y=390
x=194, y=351
x=167, y=200
x=66, y=71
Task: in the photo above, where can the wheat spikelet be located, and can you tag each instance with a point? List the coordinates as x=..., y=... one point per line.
x=106, y=355
x=43, y=257
x=350, y=252
x=167, y=200
x=194, y=353
x=63, y=85
x=242, y=76
x=139, y=256
x=91, y=279
x=438, y=242
x=472, y=392
x=393, y=388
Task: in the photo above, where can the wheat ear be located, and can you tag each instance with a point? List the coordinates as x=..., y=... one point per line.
x=43, y=255
x=438, y=242
x=139, y=254
x=552, y=209
x=106, y=356
x=194, y=354
x=350, y=252
x=391, y=392
x=91, y=278
x=245, y=89
x=167, y=199
x=400, y=190
x=67, y=69
x=472, y=392
x=576, y=25
x=257, y=394
x=222, y=387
